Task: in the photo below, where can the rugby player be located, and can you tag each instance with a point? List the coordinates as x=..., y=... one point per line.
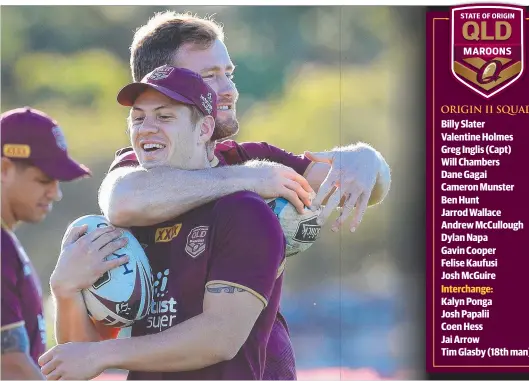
x=214, y=304
x=132, y=196
x=135, y=197
x=34, y=160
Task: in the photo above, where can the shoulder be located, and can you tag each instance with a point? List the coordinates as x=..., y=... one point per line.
x=123, y=151
x=254, y=148
x=10, y=258
x=230, y=152
x=240, y=201
x=244, y=220
x=244, y=205
x=226, y=145
x=124, y=157
x=9, y=247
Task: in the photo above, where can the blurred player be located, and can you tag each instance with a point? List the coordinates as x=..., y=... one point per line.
x=135, y=197
x=34, y=161
x=220, y=275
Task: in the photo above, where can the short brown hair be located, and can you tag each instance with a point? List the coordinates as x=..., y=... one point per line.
x=156, y=43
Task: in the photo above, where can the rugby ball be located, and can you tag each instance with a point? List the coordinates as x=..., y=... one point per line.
x=122, y=295
x=300, y=230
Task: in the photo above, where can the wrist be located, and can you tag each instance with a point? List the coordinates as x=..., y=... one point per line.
x=383, y=181
x=61, y=291
x=110, y=353
x=240, y=179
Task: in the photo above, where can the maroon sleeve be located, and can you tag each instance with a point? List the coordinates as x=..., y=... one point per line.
x=298, y=163
x=11, y=271
x=249, y=245
x=125, y=157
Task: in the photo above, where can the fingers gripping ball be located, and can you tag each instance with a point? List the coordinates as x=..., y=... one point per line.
x=301, y=230
x=122, y=295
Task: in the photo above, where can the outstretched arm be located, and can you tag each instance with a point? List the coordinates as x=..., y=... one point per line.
x=362, y=163
x=134, y=196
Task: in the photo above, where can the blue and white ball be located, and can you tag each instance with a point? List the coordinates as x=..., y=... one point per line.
x=301, y=230
x=122, y=295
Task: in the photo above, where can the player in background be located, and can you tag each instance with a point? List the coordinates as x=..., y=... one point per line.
x=34, y=161
x=215, y=306
x=135, y=197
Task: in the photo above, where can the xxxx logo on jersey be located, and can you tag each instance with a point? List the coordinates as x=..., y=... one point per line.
x=167, y=234
x=487, y=52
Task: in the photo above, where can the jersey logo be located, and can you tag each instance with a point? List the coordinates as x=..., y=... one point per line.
x=167, y=234
x=161, y=73
x=19, y=151
x=60, y=140
x=196, y=241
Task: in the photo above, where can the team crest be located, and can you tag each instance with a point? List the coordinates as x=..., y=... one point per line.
x=60, y=140
x=161, y=73
x=196, y=241
x=487, y=51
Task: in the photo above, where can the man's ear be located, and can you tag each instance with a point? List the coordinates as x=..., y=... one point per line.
x=207, y=126
x=8, y=170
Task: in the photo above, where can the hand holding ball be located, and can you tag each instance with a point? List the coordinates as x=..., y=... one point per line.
x=123, y=294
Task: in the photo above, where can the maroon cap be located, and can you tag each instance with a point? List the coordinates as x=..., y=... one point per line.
x=31, y=134
x=182, y=85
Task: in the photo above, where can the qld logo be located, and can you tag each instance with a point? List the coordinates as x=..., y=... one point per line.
x=487, y=52
x=196, y=241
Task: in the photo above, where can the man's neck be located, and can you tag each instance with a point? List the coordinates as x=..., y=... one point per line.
x=8, y=219
x=210, y=151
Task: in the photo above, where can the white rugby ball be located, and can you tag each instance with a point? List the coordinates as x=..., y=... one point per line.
x=301, y=230
x=122, y=295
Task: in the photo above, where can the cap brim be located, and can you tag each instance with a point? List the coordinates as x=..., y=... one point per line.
x=64, y=169
x=127, y=95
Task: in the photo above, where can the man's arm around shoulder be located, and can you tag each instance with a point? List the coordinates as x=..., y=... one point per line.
x=134, y=196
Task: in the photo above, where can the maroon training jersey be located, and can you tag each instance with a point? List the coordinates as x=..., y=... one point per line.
x=21, y=294
x=236, y=241
x=281, y=362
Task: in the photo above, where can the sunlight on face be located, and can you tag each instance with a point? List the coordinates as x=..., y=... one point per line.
x=215, y=66
x=162, y=133
x=30, y=193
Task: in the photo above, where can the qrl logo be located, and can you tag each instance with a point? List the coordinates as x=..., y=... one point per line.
x=487, y=53
x=161, y=73
x=490, y=72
